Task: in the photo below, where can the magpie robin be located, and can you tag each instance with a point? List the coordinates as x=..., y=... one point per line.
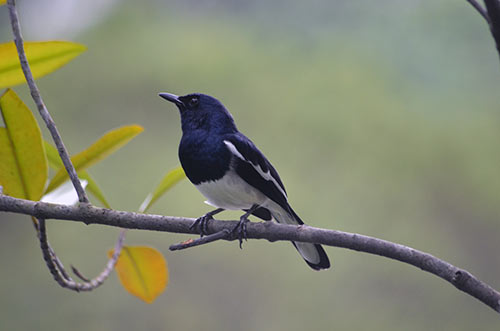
x=229, y=170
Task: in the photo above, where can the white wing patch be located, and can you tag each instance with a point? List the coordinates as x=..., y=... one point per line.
x=266, y=175
x=233, y=149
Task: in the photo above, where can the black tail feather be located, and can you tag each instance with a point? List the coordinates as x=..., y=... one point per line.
x=324, y=262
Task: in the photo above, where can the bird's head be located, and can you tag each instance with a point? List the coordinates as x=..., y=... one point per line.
x=202, y=112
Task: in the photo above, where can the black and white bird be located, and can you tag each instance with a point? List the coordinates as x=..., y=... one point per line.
x=231, y=172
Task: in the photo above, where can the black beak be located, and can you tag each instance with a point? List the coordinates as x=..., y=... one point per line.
x=172, y=98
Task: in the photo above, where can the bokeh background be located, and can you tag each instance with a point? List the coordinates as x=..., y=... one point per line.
x=382, y=118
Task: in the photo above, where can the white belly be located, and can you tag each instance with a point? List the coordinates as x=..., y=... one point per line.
x=231, y=192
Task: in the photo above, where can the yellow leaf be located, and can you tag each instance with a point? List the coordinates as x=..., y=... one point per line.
x=171, y=178
x=92, y=187
x=103, y=147
x=142, y=271
x=23, y=164
x=2, y=2
x=43, y=58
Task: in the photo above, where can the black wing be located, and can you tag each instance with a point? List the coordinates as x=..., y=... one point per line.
x=251, y=165
x=262, y=213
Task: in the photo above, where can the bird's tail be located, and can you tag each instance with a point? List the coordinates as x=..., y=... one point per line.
x=313, y=254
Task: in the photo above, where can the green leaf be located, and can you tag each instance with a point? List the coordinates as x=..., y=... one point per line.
x=23, y=165
x=92, y=187
x=43, y=58
x=171, y=178
x=99, y=150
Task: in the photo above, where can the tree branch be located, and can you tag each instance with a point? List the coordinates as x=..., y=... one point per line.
x=44, y=113
x=271, y=231
x=492, y=16
x=493, y=8
x=479, y=9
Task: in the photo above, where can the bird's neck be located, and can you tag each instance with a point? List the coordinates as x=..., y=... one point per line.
x=208, y=125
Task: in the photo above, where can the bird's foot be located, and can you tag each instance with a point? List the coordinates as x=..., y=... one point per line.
x=202, y=222
x=241, y=229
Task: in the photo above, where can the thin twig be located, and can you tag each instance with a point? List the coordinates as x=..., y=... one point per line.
x=49, y=257
x=44, y=113
x=479, y=9
x=79, y=274
x=271, y=231
x=59, y=273
x=58, y=263
x=201, y=241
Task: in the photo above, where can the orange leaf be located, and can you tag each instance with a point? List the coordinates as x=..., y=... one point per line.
x=142, y=271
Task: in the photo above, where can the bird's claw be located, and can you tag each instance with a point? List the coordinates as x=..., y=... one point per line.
x=241, y=230
x=202, y=224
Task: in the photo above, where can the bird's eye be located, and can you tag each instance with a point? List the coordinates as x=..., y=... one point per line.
x=193, y=102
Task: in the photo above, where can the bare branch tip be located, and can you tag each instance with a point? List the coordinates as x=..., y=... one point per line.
x=79, y=274
x=223, y=234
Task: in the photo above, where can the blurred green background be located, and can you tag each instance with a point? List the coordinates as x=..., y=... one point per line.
x=381, y=117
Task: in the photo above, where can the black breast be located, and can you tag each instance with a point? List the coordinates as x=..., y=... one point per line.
x=203, y=158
